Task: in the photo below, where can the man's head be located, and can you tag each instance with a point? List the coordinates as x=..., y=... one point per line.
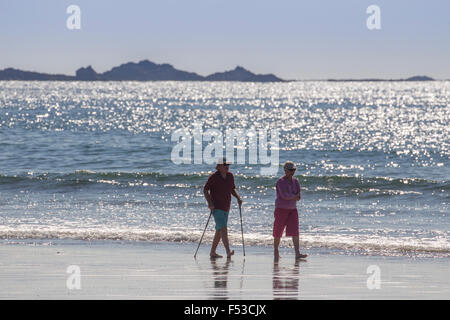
x=222, y=165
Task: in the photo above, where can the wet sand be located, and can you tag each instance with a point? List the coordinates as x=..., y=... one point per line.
x=168, y=271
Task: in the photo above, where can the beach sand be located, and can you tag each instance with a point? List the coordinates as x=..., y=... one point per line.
x=141, y=270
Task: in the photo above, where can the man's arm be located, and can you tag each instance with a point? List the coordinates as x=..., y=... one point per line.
x=236, y=195
x=208, y=199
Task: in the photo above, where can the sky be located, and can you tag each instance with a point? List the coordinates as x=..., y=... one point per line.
x=293, y=39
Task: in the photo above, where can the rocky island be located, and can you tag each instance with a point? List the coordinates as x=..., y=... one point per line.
x=144, y=70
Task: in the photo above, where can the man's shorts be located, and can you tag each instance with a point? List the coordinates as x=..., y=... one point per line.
x=221, y=218
x=285, y=218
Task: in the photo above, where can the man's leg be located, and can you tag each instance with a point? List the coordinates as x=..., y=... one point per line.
x=215, y=243
x=217, y=235
x=224, y=233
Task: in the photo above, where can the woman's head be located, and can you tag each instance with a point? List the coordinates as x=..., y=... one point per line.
x=289, y=168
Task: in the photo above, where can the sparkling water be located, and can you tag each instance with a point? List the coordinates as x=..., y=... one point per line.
x=92, y=160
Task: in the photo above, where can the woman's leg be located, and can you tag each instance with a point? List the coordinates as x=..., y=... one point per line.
x=298, y=255
x=278, y=227
x=276, y=244
x=292, y=229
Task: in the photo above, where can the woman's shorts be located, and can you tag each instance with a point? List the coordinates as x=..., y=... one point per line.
x=285, y=218
x=221, y=218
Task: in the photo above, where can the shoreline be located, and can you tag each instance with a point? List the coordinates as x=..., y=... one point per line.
x=414, y=248
x=52, y=269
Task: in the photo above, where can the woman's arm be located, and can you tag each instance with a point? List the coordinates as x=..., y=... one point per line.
x=285, y=195
x=298, y=196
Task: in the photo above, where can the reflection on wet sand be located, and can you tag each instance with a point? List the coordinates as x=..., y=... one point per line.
x=220, y=278
x=285, y=282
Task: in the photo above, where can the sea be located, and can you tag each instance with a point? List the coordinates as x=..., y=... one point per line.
x=94, y=161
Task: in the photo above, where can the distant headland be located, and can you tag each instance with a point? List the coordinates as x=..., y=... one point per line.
x=144, y=70
x=414, y=78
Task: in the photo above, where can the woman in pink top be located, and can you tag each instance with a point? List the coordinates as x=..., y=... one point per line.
x=286, y=214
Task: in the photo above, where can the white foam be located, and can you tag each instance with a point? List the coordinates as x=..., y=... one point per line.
x=369, y=244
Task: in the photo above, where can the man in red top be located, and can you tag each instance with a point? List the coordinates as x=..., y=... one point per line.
x=218, y=190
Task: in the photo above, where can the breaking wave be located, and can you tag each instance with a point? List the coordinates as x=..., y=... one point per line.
x=335, y=184
x=370, y=244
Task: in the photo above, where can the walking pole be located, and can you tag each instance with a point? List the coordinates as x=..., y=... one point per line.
x=242, y=230
x=195, y=255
